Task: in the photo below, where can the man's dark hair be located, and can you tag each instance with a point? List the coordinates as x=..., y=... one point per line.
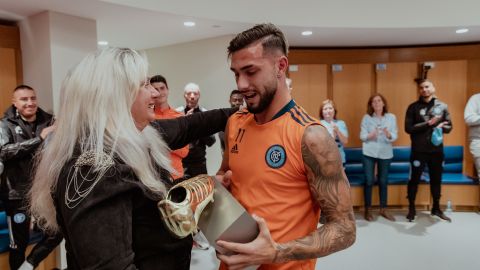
x=419, y=81
x=271, y=37
x=235, y=92
x=23, y=86
x=158, y=79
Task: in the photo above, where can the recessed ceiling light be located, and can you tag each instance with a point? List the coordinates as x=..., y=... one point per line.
x=103, y=43
x=307, y=33
x=189, y=24
x=461, y=31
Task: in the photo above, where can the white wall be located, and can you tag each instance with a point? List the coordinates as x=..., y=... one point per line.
x=52, y=43
x=71, y=39
x=205, y=63
x=36, y=57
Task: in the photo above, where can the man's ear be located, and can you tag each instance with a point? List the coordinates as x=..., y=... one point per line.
x=283, y=64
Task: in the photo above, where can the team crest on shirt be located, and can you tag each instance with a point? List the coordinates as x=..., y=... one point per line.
x=19, y=218
x=275, y=156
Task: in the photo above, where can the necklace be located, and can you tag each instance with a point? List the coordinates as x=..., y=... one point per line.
x=79, y=187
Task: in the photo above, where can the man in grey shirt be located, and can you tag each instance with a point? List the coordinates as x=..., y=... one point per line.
x=472, y=119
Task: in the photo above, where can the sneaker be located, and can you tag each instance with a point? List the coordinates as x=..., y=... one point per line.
x=411, y=213
x=185, y=202
x=368, y=215
x=384, y=213
x=439, y=213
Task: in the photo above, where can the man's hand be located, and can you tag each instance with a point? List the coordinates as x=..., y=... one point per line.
x=262, y=250
x=225, y=179
x=47, y=131
x=442, y=124
x=434, y=120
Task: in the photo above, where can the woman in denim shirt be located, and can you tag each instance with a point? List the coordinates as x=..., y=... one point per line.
x=378, y=130
x=336, y=128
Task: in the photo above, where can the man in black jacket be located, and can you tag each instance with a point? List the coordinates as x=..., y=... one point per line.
x=195, y=162
x=424, y=117
x=22, y=131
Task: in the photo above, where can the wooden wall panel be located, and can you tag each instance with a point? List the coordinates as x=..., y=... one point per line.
x=309, y=85
x=351, y=89
x=10, y=64
x=397, y=85
x=450, y=81
x=383, y=55
x=8, y=77
x=9, y=37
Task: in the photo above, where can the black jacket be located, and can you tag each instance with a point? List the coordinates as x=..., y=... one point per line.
x=197, y=150
x=416, y=118
x=118, y=224
x=18, y=146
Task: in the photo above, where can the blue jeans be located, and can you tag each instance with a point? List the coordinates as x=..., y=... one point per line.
x=369, y=169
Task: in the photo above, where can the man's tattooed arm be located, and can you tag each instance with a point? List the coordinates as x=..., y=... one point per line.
x=331, y=190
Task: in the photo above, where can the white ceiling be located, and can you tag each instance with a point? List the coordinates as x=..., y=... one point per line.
x=145, y=24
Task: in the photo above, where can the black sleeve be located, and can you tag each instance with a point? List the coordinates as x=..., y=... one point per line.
x=410, y=126
x=180, y=131
x=447, y=127
x=209, y=140
x=10, y=149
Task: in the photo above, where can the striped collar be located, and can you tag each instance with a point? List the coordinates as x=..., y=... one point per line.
x=285, y=109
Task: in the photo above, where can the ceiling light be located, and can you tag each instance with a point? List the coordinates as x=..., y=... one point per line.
x=461, y=31
x=103, y=43
x=189, y=24
x=307, y=33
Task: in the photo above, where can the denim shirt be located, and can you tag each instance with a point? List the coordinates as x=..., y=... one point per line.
x=381, y=147
x=343, y=128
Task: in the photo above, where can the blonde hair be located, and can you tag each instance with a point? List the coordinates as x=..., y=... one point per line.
x=95, y=115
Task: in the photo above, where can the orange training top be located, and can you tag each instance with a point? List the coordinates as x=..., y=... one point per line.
x=176, y=156
x=269, y=176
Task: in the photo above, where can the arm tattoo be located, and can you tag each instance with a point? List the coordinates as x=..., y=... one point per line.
x=330, y=189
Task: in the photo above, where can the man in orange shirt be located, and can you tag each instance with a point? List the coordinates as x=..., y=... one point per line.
x=164, y=111
x=281, y=164
x=236, y=100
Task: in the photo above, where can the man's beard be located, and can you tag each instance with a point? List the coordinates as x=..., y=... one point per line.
x=265, y=100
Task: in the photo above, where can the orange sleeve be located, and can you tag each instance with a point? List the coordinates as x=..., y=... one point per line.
x=182, y=152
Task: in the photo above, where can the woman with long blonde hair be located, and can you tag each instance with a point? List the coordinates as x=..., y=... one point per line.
x=102, y=173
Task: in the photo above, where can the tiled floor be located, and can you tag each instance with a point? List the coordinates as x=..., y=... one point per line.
x=427, y=243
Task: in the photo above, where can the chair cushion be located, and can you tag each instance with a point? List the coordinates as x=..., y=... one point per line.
x=3, y=220
x=399, y=167
x=457, y=179
x=453, y=167
x=401, y=153
x=353, y=155
x=453, y=153
x=356, y=180
x=353, y=168
x=4, y=240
